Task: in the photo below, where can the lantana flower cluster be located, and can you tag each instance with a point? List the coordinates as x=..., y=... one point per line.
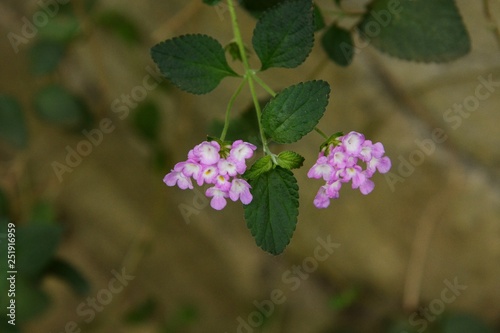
x=339, y=162
x=220, y=166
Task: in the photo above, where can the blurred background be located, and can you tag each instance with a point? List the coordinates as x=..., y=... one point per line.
x=88, y=129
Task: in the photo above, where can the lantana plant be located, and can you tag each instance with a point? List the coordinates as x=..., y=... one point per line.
x=283, y=37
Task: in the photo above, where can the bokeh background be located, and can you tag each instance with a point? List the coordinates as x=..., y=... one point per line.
x=399, y=248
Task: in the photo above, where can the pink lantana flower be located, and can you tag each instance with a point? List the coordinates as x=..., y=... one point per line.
x=220, y=165
x=339, y=163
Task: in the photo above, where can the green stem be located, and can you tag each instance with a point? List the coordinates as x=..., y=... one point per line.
x=264, y=85
x=228, y=109
x=321, y=132
x=249, y=74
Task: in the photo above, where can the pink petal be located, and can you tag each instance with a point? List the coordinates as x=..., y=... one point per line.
x=367, y=187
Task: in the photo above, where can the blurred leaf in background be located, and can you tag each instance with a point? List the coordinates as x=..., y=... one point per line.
x=184, y=316
x=433, y=32
x=211, y=2
x=64, y=271
x=464, y=323
x=61, y=28
x=55, y=104
x=43, y=213
x=12, y=122
x=146, y=120
x=345, y=298
x=339, y=45
x=121, y=25
x=142, y=312
x=45, y=56
x=4, y=205
x=36, y=245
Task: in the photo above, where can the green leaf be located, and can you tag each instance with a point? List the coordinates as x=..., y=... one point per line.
x=319, y=21
x=295, y=111
x=339, y=45
x=262, y=165
x=57, y=105
x=66, y=272
x=45, y=56
x=256, y=7
x=121, y=25
x=284, y=35
x=464, y=323
x=12, y=123
x=272, y=214
x=35, y=246
x=290, y=160
x=194, y=63
x=146, y=120
x=418, y=30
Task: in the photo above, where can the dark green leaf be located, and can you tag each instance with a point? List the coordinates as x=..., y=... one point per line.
x=284, y=35
x=57, y=105
x=35, y=246
x=464, y=323
x=142, y=312
x=338, y=44
x=319, y=21
x=256, y=7
x=290, y=160
x=211, y=2
x=194, y=63
x=418, y=30
x=121, y=25
x=272, y=214
x=262, y=165
x=295, y=111
x=66, y=272
x=146, y=120
x=45, y=56
x=12, y=124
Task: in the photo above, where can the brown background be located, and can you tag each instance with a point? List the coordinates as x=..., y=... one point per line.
x=441, y=223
